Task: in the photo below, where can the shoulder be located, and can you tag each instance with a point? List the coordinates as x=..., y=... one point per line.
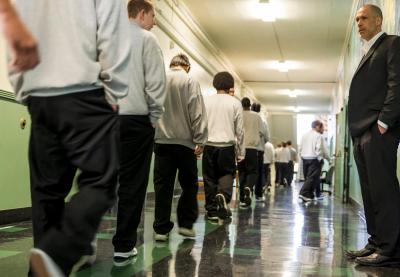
x=150, y=39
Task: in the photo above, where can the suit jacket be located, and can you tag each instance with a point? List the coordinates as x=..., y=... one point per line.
x=375, y=88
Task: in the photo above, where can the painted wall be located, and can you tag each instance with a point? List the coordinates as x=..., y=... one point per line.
x=283, y=128
x=176, y=31
x=350, y=60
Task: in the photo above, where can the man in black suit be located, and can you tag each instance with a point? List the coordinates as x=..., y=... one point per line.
x=374, y=122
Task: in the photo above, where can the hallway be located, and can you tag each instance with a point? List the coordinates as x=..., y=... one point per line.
x=278, y=237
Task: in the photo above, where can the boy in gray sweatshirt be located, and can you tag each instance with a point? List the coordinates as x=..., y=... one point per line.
x=224, y=146
x=72, y=96
x=139, y=111
x=253, y=130
x=180, y=135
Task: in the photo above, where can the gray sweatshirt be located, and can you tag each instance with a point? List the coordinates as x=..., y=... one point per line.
x=83, y=45
x=146, y=76
x=184, y=121
x=225, y=122
x=253, y=129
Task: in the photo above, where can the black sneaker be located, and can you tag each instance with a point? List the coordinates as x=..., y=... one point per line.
x=222, y=211
x=124, y=258
x=247, y=197
x=212, y=216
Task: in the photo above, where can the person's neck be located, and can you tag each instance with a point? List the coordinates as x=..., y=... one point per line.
x=246, y=109
x=137, y=21
x=221, y=91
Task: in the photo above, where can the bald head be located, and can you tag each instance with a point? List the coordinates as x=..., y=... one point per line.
x=369, y=21
x=376, y=11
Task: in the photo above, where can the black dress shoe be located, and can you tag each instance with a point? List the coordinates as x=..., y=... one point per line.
x=376, y=259
x=359, y=253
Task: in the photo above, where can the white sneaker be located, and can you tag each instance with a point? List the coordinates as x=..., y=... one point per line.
x=43, y=265
x=305, y=199
x=87, y=259
x=190, y=233
x=124, y=258
x=260, y=198
x=161, y=237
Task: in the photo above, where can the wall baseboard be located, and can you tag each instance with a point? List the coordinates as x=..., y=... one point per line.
x=25, y=214
x=15, y=215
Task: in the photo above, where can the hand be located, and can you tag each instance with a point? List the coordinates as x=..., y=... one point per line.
x=198, y=150
x=381, y=129
x=23, y=47
x=115, y=107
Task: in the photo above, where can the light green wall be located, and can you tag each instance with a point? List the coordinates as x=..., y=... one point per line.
x=14, y=170
x=282, y=127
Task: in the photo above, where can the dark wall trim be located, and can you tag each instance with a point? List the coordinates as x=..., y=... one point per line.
x=7, y=96
x=15, y=215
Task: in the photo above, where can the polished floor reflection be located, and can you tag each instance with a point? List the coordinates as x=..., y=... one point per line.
x=276, y=237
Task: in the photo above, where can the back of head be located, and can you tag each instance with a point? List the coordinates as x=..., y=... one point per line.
x=246, y=103
x=180, y=60
x=223, y=81
x=283, y=144
x=315, y=124
x=255, y=107
x=289, y=143
x=135, y=6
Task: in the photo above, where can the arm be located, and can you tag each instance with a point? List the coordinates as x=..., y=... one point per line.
x=155, y=80
x=391, y=112
x=114, y=48
x=23, y=47
x=197, y=114
x=240, y=150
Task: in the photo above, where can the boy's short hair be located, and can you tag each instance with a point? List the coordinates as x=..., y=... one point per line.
x=135, y=6
x=223, y=81
x=180, y=60
x=246, y=102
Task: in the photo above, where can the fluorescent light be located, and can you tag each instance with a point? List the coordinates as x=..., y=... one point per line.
x=292, y=93
x=283, y=66
x=267, y=11
x=296, y=109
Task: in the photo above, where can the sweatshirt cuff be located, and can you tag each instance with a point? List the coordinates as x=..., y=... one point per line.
x=383, y=125
x=153, y=119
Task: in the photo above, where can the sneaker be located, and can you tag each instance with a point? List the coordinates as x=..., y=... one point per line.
x=321, y=197
x=212, y=216
x=243, y=205
x=161, y=237
x=190, y=233
x=260, y=198
x=222, y=210
x=305, y=199
x=124, y=258
x=43, y=265
x=87, y=259
x=247, y=196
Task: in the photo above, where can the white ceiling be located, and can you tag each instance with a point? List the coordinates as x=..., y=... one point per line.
x=308, y=33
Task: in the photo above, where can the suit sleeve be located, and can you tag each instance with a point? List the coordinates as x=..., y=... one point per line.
x=391, y=111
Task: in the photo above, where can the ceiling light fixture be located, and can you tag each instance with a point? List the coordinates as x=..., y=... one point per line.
x=267, y=11
x=283, y=66
x=296, y=109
